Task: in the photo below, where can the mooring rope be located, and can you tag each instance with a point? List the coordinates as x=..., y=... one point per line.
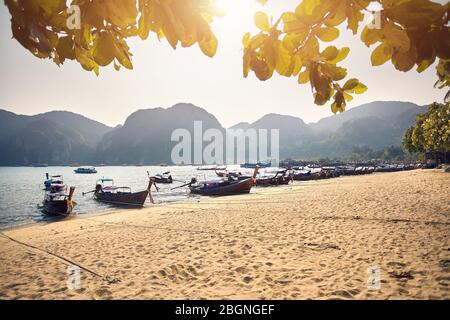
x=109, y=279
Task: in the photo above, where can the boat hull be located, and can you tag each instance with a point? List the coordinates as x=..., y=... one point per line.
x=136, y=199
x=58, y=207
x=275, y=181
x=85, y=172
x=163, y=180
x=304, y=177
x=240, y=187
x=253, y=165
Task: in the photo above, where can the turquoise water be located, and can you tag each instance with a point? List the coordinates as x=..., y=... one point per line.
x=21, y=188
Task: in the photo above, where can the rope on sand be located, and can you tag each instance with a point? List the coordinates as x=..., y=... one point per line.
x=108, y=279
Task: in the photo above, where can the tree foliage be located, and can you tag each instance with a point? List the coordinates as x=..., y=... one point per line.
x=411, y=33
x=431, y=132
x=390, y=153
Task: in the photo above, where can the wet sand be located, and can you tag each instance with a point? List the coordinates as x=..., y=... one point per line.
x=310, y=240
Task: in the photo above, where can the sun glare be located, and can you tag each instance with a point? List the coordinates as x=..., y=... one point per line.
x=237, y=7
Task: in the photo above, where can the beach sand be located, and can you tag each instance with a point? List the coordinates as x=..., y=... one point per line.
x=310, y=240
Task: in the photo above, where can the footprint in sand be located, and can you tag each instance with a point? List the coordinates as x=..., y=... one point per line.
x=162, y=272
x=241, y=269
x=396, y=264
x=102, y=293
x=341, y=293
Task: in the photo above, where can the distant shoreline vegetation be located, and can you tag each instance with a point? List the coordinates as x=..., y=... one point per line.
x=65, y=138
x=360, y=153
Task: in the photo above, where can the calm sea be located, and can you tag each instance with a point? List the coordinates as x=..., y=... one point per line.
x=21, y=188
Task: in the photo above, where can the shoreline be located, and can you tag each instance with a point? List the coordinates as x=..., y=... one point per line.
x=312, y=240
x=118, y=210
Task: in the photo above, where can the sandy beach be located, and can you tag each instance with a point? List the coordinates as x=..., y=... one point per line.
x=310, y=240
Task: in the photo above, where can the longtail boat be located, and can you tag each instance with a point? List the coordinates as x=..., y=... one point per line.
x=236, y=175
x=164, y=177
x=106, y=191
x=304, y=176
x=54, y=183
x=280, y=178
x=211, y=167
x=230, y=186
x=59, y=203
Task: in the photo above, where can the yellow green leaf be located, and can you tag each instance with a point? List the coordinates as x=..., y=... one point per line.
x=370, y=36
x=246, y=39
x=347, y=97
x=405, y=61
x=330, y=53
x=343, y=53
x=303, y=77
x=339, y=15
x=262, y=21
x=297, y=65
x=350, y=84
x=381, y=54
x=104, y=49
x=360, y=88
x=116, y=66
x=333, y=72
x=328, y=34
x=209, y=45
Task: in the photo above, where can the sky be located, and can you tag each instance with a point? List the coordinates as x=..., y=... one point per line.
x=163, y=77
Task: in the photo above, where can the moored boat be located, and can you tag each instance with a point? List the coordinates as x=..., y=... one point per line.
x=211, y=167
x=164, y=177
x=232, y=174
x=106, y=191
x=265, y=164
x=281, y=177
x=230, y=186
x=85, y=170
x=54, y=183
x=304, y=175
x=59, y=203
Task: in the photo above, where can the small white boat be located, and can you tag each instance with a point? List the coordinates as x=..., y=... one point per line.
x=85, y=170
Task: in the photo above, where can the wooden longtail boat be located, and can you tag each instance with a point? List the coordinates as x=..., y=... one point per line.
x=236, y=175
x=211, y=167
x=280, y=178
x=222, y=174
x=165, y=177
x=106, y=191
x=59, y=204
x=223, y=187
x=54, y=183
x=304, y=176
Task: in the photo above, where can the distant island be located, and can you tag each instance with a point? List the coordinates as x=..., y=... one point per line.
x=63, y=138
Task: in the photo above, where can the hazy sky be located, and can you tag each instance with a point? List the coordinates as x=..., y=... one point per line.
x=163, y=77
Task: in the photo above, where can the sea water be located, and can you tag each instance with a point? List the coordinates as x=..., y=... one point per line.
x=21, y=188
